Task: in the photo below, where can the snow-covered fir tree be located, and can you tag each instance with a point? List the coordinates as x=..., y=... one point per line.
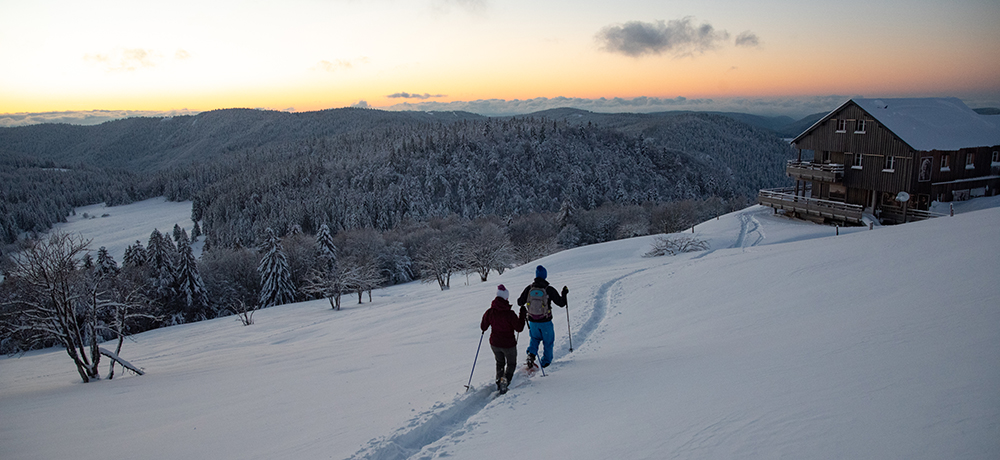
x=135, y=255
x=275, y=276
x=178, y=231
x=106, y=265
x=325, y=247
x=160, y=251
x=161, y=265
x=190, y=287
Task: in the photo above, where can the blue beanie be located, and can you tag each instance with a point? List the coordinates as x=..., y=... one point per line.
x=540, y=272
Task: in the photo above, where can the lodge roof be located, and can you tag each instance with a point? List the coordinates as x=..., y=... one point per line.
x=932, y=123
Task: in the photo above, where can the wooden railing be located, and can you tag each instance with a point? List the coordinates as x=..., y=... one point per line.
x=824, y=172
x=833, y=210
x=895, y=213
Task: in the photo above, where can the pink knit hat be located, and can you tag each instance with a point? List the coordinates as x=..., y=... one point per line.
x=502, y=292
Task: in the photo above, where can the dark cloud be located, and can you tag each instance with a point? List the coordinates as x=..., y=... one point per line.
x=747, y=39
x=405, y=95
x=678, y=37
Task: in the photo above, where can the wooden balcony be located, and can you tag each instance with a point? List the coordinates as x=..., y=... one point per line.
x=804, y=170
x=899, y=215
x=811, y=207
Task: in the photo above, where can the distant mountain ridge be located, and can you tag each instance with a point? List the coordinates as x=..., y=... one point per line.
x=150, y=144
x=340, y=165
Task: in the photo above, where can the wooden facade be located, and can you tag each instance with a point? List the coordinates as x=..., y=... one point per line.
x=871, y=164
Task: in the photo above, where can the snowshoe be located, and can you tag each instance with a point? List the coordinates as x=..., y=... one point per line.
x=530, y=367
x=531, y=361
x=502, y=386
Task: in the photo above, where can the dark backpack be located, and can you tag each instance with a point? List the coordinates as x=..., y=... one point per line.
x=538, y=303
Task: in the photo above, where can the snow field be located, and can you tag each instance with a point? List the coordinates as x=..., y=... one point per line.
x=782, y=341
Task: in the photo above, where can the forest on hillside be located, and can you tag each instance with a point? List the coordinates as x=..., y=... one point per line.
x=351, y=168
x=384, y=199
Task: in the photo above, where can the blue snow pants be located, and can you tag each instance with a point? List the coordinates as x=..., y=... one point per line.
x=542, y=332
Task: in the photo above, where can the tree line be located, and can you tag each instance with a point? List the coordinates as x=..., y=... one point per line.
x=332, y=216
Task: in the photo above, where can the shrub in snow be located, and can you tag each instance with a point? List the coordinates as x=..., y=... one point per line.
x=676, y=244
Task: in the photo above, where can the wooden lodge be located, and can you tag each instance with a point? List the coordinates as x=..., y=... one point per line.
x=890, y=158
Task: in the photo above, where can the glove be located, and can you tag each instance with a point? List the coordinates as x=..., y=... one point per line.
x=524, y=312
x=565, y=291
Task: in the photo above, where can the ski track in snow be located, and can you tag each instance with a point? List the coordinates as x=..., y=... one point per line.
x=748, y=226
x=420, y=437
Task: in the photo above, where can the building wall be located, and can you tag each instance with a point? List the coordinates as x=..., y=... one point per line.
x=873, y=143
x=875, y=139
x=941, y=183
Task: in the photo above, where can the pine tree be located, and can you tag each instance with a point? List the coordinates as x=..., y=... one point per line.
x=326, y=279
x=178, y=231
x=135, y=256
x=189, y=283
x=325, y=246
x=160, y=263
x=275, y=276
x=566, y=212
x=106, y=265
x=160, y=251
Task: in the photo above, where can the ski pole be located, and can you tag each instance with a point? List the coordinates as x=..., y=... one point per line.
x=569, y=330
x=474, y=361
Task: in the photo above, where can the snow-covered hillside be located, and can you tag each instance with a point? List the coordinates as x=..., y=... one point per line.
x=117, y=227
x=782, y=341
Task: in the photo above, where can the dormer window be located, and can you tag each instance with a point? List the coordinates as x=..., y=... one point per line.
x=860, y=128
x=946, y=162
x=841, y=126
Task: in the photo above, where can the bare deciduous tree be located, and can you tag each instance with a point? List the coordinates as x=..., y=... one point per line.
x=439, y=257
x=488, y=249
x=54, y=304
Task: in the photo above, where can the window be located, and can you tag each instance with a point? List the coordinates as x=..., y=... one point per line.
x=890, y=164
x=841, y=126
x=970, y=160
x=996, y=158
x=856, y=161
x=946, y=162
x=860, y=128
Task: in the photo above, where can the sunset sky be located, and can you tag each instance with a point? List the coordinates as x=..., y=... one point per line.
x=766, y=56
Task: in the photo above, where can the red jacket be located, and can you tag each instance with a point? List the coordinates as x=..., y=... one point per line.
x=504, y=322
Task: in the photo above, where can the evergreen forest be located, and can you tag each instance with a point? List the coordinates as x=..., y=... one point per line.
x=293, y=206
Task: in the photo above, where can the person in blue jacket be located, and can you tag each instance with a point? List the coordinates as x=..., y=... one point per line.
x=538, y=297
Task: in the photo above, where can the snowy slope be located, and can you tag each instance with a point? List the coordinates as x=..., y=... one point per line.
x=118, y=227
x=782, y=341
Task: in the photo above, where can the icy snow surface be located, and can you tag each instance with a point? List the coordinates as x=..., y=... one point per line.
x=782, y=341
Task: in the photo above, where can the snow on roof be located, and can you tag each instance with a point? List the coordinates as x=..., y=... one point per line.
x=944, y=123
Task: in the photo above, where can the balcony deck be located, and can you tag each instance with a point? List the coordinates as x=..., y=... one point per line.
x=822, y=172
x=806, y=206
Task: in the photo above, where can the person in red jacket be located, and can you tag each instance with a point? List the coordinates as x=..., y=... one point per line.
x=504, y=322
